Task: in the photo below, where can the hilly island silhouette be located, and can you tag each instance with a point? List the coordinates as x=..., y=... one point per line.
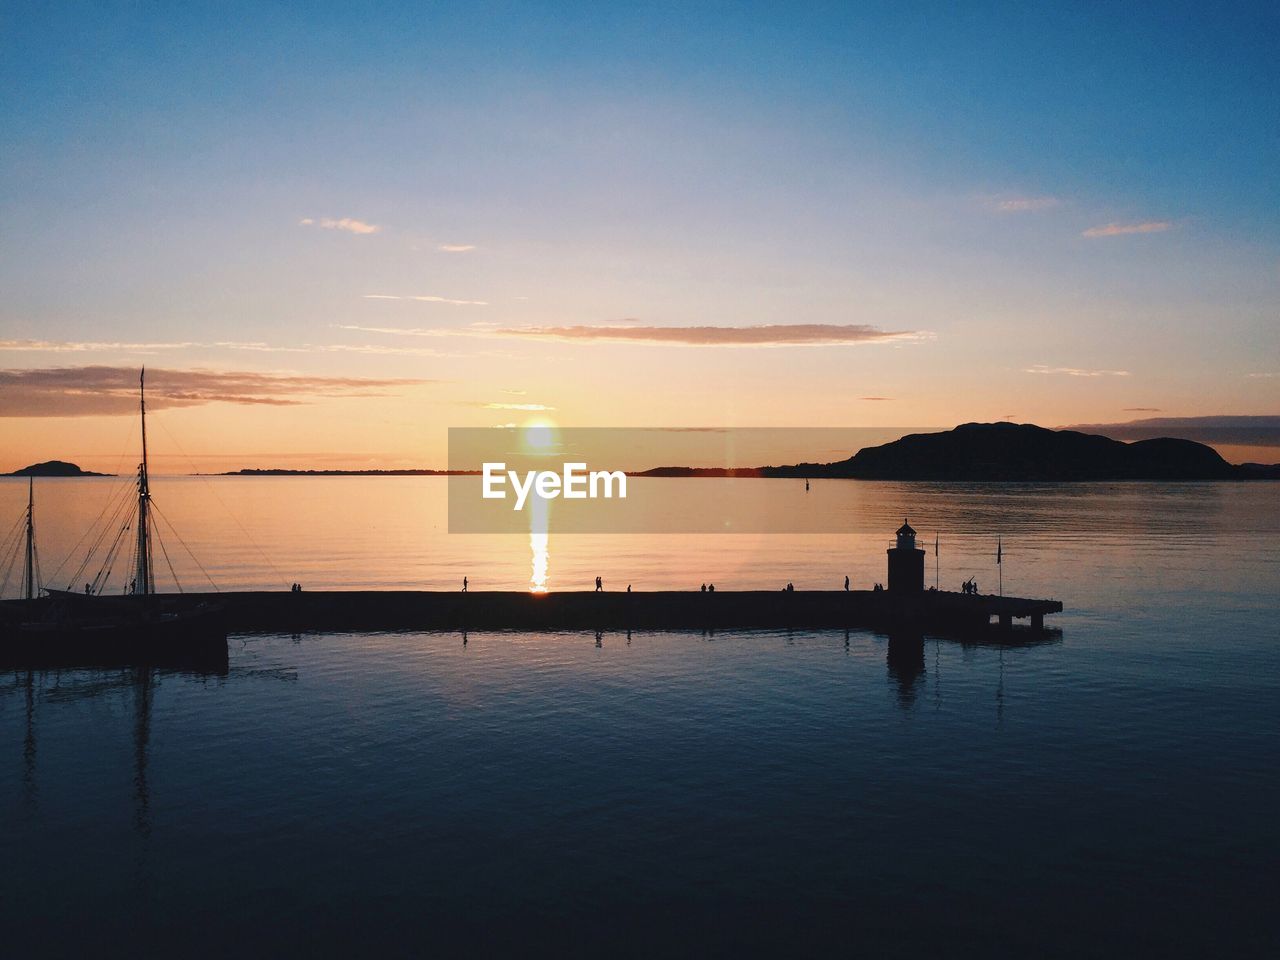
x=1011, y=452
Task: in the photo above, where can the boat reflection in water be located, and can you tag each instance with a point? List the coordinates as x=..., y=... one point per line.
x=138, y=683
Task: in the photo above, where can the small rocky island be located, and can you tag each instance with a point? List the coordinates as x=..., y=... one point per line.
x=55, y=468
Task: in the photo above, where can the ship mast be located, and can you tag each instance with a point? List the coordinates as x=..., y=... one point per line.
x=143, y=582
x=29, y=573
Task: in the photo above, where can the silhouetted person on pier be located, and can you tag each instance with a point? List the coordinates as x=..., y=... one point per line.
x=599, y=585
x=791, y=587
x=711, y=588
x=86, y=589
x=628, y=588
x=464, y=584
x=704, y=588
x=846, y=583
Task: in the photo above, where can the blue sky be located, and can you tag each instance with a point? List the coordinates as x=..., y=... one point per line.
x=1069, y=212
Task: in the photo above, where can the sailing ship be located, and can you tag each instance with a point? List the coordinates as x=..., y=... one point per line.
x=68, y=625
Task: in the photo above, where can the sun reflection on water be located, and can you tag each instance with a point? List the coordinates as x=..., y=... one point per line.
x=539, y=527
x=540, y=437
x=538, y=544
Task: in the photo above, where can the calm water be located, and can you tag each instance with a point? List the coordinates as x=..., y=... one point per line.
x=1113, y=791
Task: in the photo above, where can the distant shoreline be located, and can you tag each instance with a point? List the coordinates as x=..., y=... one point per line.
x=1264, y=472
x=281, y=472
x=972, y=452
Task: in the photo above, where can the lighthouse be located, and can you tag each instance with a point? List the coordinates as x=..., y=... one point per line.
x=906, y=563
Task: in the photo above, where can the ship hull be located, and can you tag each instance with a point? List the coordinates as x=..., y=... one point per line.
x=85, y=631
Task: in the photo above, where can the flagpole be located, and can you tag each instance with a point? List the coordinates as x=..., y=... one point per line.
x=937, y=565
x=1000, y=562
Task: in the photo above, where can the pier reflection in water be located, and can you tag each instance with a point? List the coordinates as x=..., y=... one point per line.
x=905, y=657
x=426, y=784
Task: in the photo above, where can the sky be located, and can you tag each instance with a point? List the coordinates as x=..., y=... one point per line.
x=331, y=232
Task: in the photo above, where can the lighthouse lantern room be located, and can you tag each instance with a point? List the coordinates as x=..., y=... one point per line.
x=906, y=563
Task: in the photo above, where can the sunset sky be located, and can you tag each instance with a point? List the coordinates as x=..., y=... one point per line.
x=331, y=234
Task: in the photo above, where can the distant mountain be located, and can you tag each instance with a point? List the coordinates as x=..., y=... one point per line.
x=1241, y=431
x=1011, y=451
x=55, y=468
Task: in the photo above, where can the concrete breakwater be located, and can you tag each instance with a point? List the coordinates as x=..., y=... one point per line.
x=260, y=611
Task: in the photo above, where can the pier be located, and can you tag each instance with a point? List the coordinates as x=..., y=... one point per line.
x=658, y=610
x=357, y=610
x=143, y=625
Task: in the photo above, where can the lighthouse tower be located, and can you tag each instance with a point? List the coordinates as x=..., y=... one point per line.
x=906, y=563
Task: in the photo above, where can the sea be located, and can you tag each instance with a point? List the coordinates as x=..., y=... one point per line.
x=1108, y=789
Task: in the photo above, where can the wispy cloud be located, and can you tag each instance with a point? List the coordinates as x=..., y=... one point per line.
x=113, y=346
x=456, y=247
x=1141, y=410
x=1075, y=371
x=428, y=298
x=1246, y=430
x=148, y=349
x=87, y=346
x=1026, y=204
x=875, y=398
x=108, y=390
x=348, y=224
x=411, y=331
x=767, y=335
x=1120, y=229
x=1263, y=376
x=527, y=407
x=380, y=350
